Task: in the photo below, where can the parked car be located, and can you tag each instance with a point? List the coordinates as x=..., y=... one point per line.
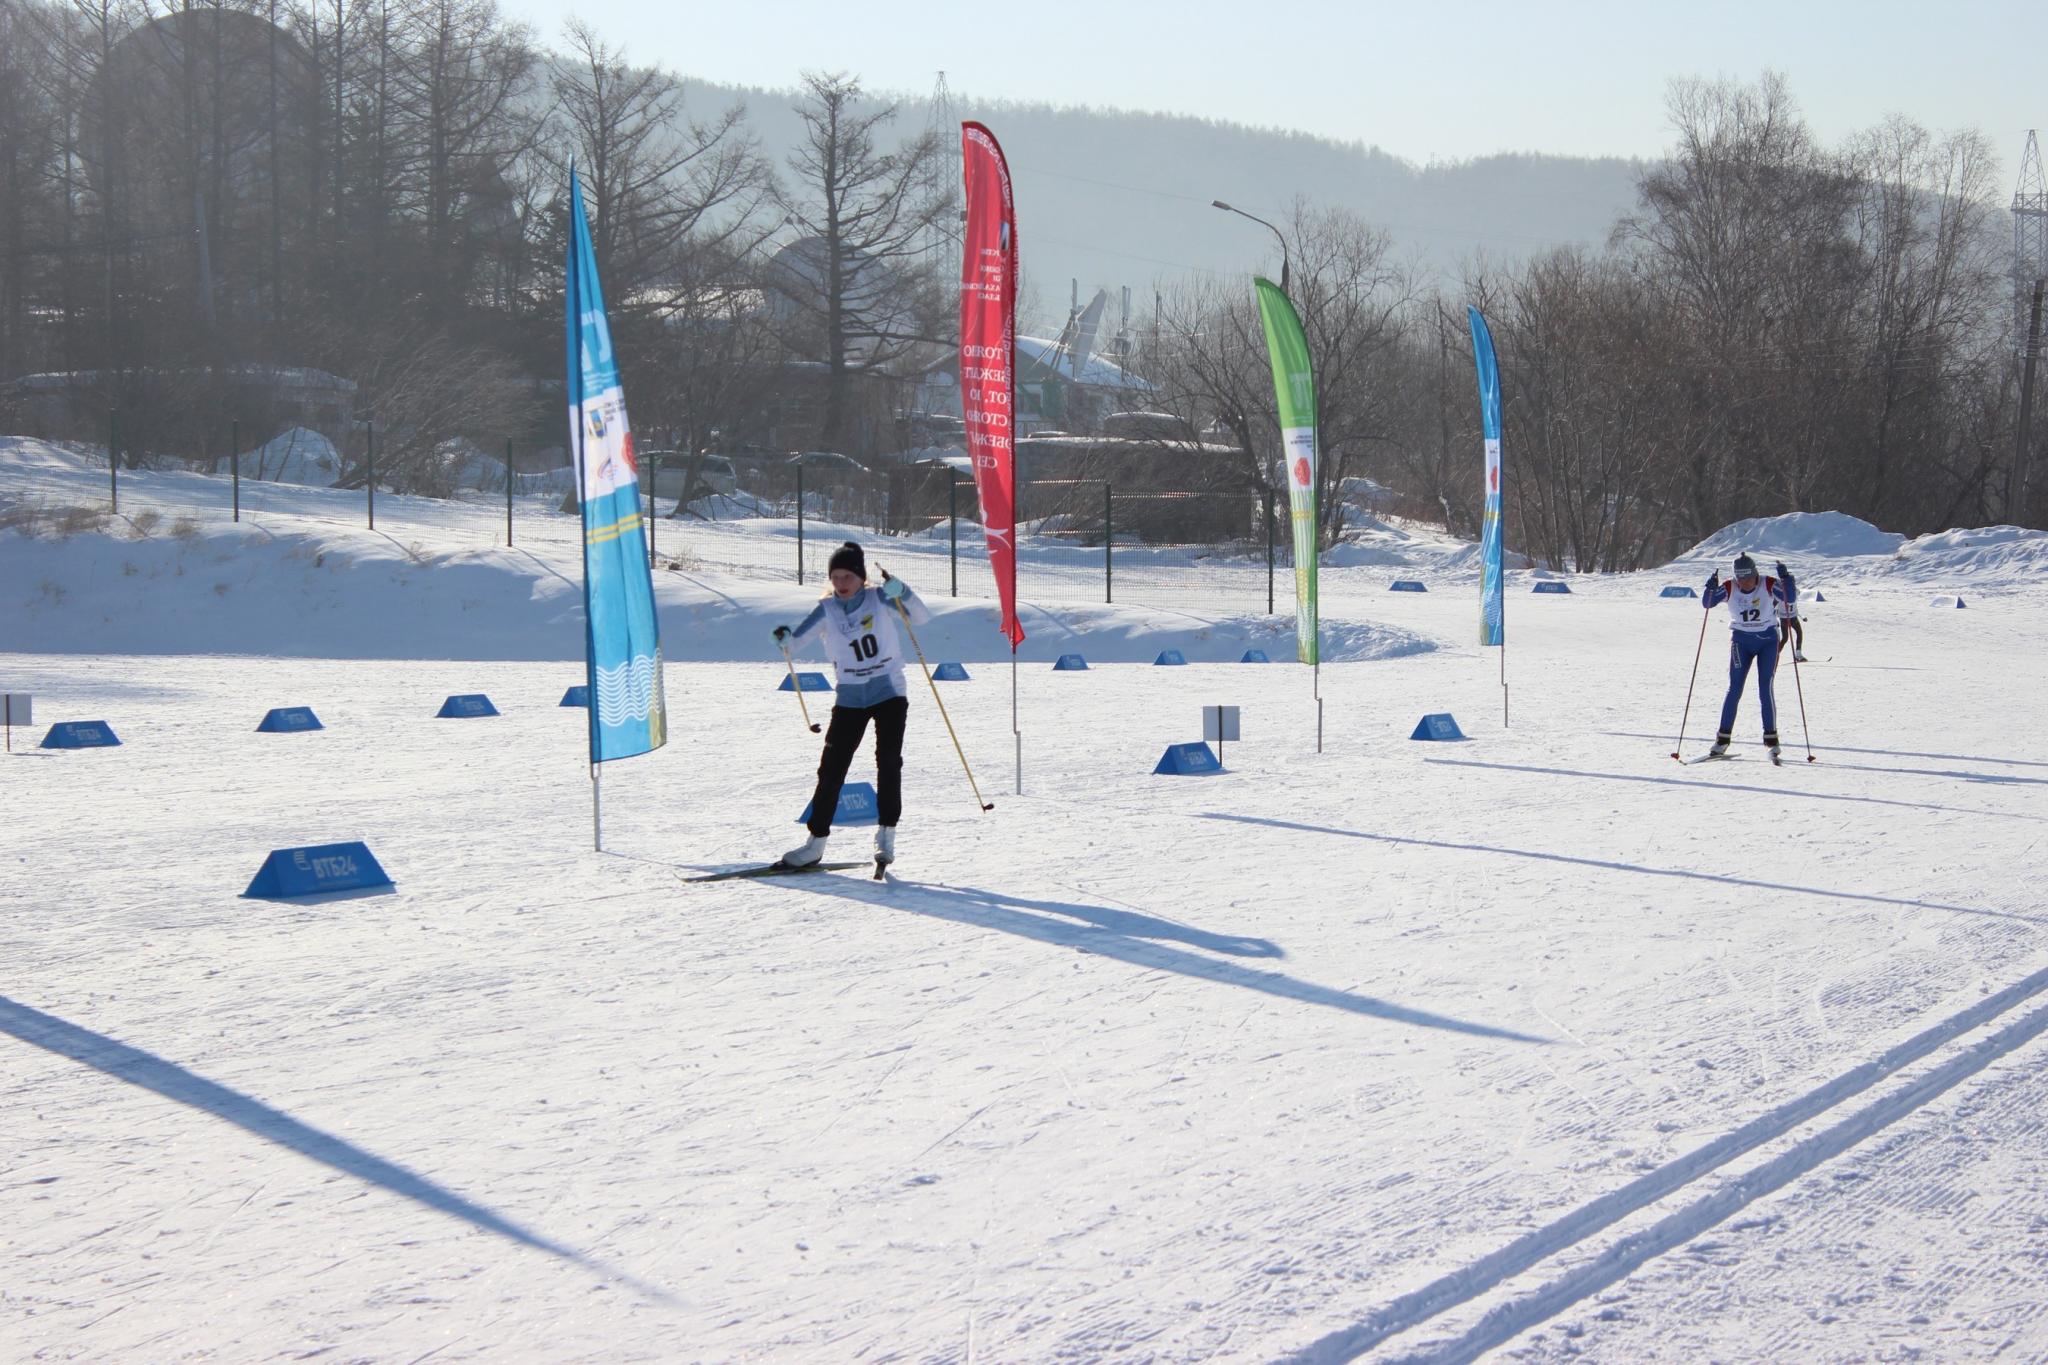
x=828, y=467
x=714, y=474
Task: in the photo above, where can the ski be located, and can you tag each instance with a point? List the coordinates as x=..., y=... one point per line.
x=1709, y=758
x=774, y=869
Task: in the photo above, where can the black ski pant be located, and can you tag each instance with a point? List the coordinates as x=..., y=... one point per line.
x=842, y=741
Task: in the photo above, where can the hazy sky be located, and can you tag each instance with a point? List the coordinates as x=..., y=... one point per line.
x=1421, y=79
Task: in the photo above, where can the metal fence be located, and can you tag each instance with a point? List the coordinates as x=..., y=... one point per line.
x=1068, y=557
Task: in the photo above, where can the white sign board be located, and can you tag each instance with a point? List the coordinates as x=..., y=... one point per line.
x=1219, y=723
x=17, y=708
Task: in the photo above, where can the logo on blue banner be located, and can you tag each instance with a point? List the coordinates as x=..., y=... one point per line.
x=858, y=805
x=80, y=734
x=628, y=712
x=1187, y=760
x=316, y=870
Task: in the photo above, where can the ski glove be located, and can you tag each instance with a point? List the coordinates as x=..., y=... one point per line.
x=782, y=635
x=892, y=588
x=1713, y=580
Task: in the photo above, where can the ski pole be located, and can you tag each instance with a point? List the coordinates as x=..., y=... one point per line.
x=796, y=685
x=904, y=612
x=1697, y=650
x=1800, y=688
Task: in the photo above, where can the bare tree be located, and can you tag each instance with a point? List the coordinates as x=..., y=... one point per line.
x=457, y=87
x=1744, y=226
x=29, y=175
x=654, y=181
x=1211, y=366
x=1932, y=283
x=860, y=286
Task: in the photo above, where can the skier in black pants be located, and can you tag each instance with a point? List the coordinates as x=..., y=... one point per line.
x=867, y=651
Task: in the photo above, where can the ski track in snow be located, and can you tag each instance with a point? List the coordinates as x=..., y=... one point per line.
x=1537, y=1045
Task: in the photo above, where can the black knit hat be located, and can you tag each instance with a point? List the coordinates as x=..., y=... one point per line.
x=1744, y=566
x=850, y=558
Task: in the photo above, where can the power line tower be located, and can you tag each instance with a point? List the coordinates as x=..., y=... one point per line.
x=2029, y=267
x=942, y=185
x=2029, y=238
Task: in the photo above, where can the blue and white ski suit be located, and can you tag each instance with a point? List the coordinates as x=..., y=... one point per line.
x=1753, y=616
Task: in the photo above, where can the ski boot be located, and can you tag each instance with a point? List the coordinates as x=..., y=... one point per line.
x=812, y=850
x=1771, y=743
x=1720, y=749
x=885, y=849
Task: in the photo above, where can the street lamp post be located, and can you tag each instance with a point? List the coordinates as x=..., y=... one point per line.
x=1277, y=234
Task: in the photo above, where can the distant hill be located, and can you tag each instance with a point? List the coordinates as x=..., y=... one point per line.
x=1115, y=198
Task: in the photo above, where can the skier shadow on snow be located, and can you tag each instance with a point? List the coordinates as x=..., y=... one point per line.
x=1991, y=779
x=1779, y=791
x=1129, y=936
x=1610, y=865
x=1882, y=753
x=173, y=1082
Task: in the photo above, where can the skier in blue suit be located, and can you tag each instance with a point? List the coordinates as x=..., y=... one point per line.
x=1755, y=605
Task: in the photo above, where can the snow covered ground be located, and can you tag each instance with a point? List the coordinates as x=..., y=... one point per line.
x=1538, y=1045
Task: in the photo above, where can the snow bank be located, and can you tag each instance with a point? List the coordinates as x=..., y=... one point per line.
x=1985, y=555
x=360, y=595
x=479, y=469
x=21, y=454
x=1810, y=535
x=300, y=455
x=1979, y=553
x=1396, y=543
x=235, y=590
x=734, y=507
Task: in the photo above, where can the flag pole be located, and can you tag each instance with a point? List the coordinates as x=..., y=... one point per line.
x=574, y=305
x=1016, y=551
x=1503, y=614
x=582, y=516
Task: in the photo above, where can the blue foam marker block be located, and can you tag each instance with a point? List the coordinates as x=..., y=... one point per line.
x=857, y=806
x=466, y=704
x=1552, y=585
x=1406, y=585
x=316, y=870
x=1255, y=656
x=1678, y=590
x=950, y=672
x=1070, y=663
x=577, y=696
x=1959, y=604
x=80, y=734
x=1437, y=725
x=280, y=720
x=1170, y=656
x=1188, y=760
x=810, y=682
x=1820, y=597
